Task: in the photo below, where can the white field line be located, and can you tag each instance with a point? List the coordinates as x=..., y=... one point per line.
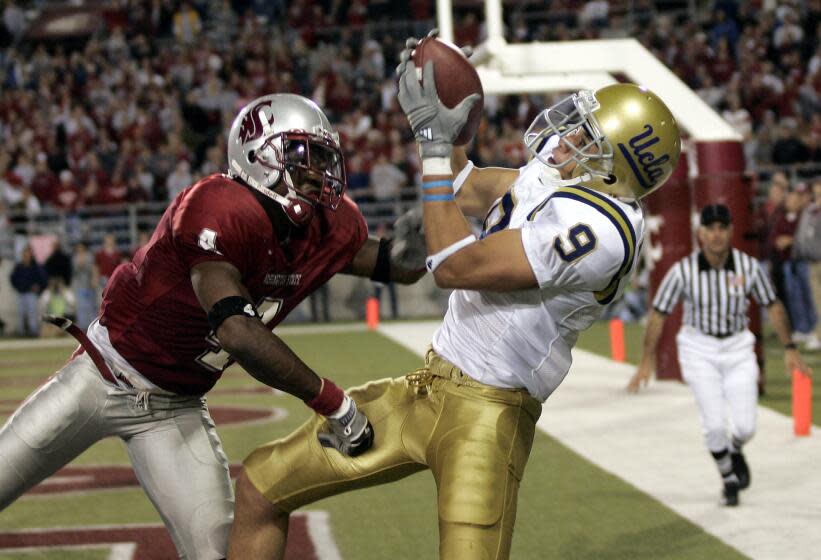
x=117, y=551
x=69, y=342
x=319, y=531
x=653, y=441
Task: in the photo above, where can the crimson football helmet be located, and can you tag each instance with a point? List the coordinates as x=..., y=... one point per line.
x=286, y=137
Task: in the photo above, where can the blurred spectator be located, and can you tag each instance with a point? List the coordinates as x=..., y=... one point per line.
x=66, y=194
x=595, y=13
x=107, y=258
x=29, y=279
x=83, y=284
x=767, y=216
x=386, y=181
x=788, y=148
x=320, y=304
x=807, y=247
x=44, y=181
x=58, y=265
x=14, y=18
x=796, y=272
x=187, y=24
x=179, y=180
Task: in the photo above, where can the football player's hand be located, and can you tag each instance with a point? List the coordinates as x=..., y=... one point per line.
x=408, y=249
x=351, y=431
x=434, y=125
x=412, y=42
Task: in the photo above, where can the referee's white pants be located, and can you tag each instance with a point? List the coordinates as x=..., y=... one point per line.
x=723, y=374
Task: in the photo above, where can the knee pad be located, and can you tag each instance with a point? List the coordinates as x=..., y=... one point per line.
x=209, y=530
x=742, y=435
x=472, y=485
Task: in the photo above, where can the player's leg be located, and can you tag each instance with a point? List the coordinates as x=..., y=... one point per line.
x=289, y=473
x=479, y=451
x=180, y=464
x=53, y=425
x=698, y=357
x=741, y=392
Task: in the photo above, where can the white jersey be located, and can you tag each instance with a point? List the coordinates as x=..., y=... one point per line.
x=582, y=247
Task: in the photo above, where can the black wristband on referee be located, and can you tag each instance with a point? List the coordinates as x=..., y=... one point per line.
x=790, y=346
x=226, y=307
x=382, y=269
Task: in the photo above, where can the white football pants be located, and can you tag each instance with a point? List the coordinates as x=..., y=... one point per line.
x=723, y=374
x=171, y=441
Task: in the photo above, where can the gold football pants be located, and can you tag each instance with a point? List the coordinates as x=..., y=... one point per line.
x=474, y=438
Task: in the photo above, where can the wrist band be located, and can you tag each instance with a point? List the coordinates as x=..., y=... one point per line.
x=790, y=346
x=436, y=166
x=437, y=197
x=436, y=184
x=328, y=400
x=433, y=261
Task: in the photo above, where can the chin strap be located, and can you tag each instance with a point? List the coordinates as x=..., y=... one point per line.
x=300, y=212
x=548, y=181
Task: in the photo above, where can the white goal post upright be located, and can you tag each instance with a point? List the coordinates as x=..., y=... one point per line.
x=711, y=167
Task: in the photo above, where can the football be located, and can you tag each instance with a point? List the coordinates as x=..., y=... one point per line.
x=456, y=78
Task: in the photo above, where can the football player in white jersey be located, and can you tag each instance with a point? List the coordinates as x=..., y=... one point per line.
x=559, y=242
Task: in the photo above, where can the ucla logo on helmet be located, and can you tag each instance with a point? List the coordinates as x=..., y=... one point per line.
x=645, y=164
x=252, y=127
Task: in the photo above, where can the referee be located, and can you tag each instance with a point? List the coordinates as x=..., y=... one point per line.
x=715, y=348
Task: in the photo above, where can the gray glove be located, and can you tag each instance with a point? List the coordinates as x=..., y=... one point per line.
x=408, y=249
x=412, y=42
x=351, y=431
x=434, y=125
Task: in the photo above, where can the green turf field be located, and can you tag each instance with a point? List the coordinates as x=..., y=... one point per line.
x=568, y=507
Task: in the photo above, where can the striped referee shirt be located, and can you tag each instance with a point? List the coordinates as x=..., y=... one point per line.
x=715, y=301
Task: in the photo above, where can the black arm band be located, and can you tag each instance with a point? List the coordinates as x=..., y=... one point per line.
x=226, y=307
x=382, y=270
x=790, y=346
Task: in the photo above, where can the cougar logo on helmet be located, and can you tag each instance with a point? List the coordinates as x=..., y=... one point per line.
x=639, y=155
x=284, y=146
x=252, y=126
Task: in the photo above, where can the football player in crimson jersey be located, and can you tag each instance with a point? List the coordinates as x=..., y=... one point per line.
x=558, y=243
x=231, y=256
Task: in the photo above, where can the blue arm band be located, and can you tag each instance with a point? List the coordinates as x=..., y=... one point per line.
x=437, y=197
x=437, y=184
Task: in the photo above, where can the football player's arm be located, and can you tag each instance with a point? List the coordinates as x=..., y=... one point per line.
x=376, y=260
x=497, y=262
x=655, y=324
x=480, y=187
x=257, y=349
x=268, y=359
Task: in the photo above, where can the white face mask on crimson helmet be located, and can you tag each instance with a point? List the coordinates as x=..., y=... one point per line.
x=287, y=137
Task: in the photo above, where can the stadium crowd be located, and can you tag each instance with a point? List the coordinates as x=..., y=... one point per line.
x=139, y=110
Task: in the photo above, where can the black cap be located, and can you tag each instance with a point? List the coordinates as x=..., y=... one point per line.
x=715, y=213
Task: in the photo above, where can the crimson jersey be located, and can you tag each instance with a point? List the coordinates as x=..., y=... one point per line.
x=153, y=317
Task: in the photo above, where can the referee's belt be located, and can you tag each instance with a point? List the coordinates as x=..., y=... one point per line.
x=722, y=336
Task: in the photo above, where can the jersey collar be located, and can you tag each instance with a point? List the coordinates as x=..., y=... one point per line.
x=704, y=266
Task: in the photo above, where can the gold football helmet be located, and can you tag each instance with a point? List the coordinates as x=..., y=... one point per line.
x=631, y=143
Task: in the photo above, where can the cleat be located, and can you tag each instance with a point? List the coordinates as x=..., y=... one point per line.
x=741, y=470
x=729, y=496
